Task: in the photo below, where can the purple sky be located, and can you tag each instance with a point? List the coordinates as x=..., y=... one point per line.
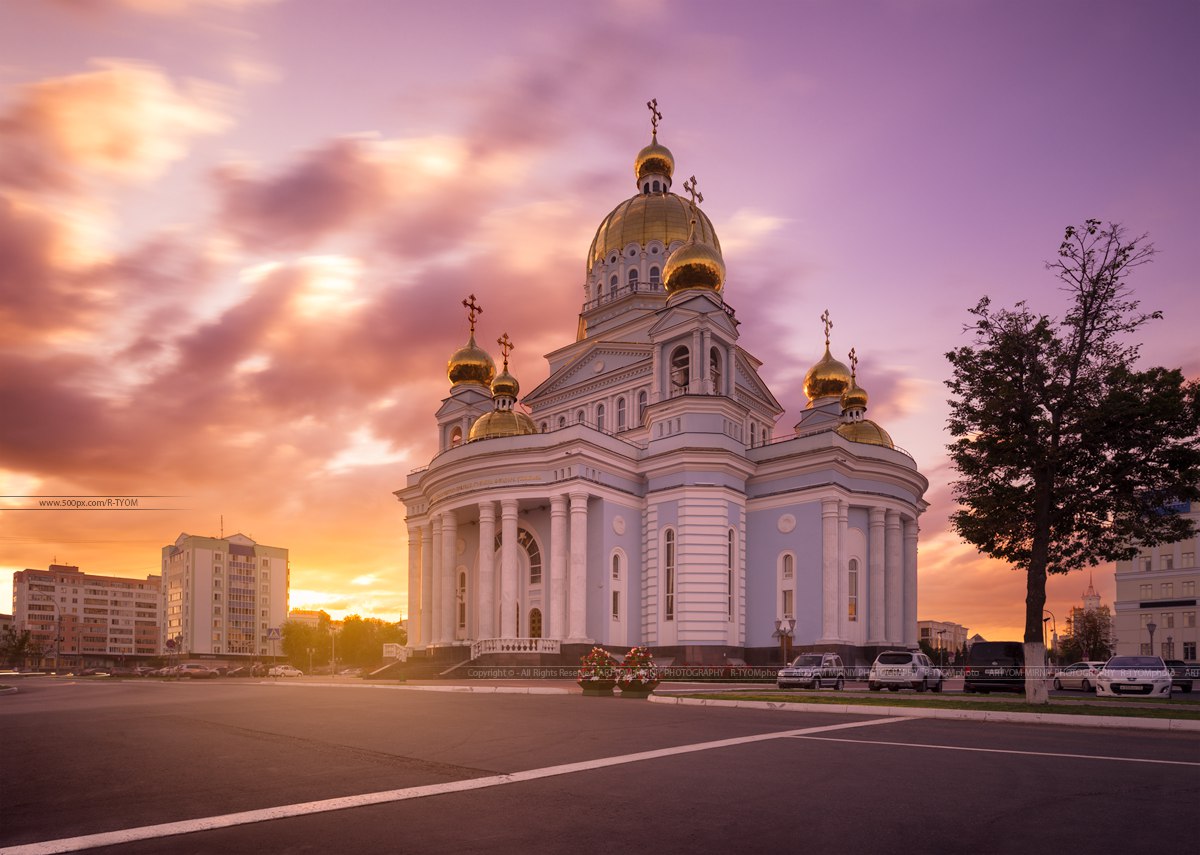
x=235, y=234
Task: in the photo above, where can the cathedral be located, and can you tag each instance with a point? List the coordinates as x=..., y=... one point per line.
x=641, y=494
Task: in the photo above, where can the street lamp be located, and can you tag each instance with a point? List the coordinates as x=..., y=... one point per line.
x=941, y=647
x=783, y=630
x=1054, y=628
x=1152, y=626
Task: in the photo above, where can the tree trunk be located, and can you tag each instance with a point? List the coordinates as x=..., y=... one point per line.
x=1036, y=689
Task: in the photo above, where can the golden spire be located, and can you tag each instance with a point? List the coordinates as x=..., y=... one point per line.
x=654, y=159
x=503, y=420
x=828, y=378
x=506, y=347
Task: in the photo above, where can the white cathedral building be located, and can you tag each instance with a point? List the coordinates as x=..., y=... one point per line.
x=645, y=496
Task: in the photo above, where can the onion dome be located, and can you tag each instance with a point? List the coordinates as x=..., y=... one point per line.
x=828, y=378
x=505, y=384
x=695, y=265
x=662, y=217
x=471, y=364
x=865, y=431
x=503, y=420
x=854, y=399
x=855, y=426
x=654, y=159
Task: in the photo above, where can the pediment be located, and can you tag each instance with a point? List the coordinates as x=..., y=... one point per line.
x=700, y=309
x=746, y=378
x=603, y=359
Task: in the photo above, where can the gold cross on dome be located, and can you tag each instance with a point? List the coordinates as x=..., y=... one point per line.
x=853, y=364
x=506, y=347
x=828, y=325
x=474, y=310
x=690, y=187
x=655, y=116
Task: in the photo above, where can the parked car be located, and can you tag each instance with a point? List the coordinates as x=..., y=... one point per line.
x=1134, y=675
x=1182, y=674
x=195, y=671
x=812, y=671
x=285, y=671
x=995, y=666
x=904, y=669
x=1081, y=675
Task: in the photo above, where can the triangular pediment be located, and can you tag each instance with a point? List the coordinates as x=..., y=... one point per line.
x=686, y=313
x=604, y=359
x=749, y=382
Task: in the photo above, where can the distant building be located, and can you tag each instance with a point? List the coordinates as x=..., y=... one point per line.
x=223, y=596
x=6, y=622
x=943, y=635
x=1159, y=587
x=307, y=617
x=974, y=638
x=101, y=620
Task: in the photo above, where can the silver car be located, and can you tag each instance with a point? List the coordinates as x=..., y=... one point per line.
x=812, y=671
x=1081, y=675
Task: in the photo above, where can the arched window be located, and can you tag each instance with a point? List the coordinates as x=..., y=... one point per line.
x=714, y=370
x=787, y=594
x=633, y=279
x=612, y=286
x=616, y=565
x=789, y=566
x=681, y=363
x=545, y=426
x=753, y=434
x=655, y=278
x=852, y=591
x=600, y=417
x=616, y=605
x=562, y=421
x=642, y=402
x=534, y=552
x=621, y=414
x=656, y=186
x=456, y=437
x=669, y=574
x=535, y=623
x=462, y=600
x=579, y=417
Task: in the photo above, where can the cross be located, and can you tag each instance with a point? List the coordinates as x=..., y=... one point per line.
x=506, y=347
x=690, y=187
x=473, y=311
x=652, y=105
x=853, y=364
x=828, y=326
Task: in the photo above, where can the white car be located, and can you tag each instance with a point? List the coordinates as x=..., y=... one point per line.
x=1081, y=675
x=904, y=669
x=1134, y=675
x=285, y=671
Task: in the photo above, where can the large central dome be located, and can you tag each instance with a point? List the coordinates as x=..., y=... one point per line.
x=648, y=217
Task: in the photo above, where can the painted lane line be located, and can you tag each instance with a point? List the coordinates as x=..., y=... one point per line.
x=1000, y=751
x=211, y=823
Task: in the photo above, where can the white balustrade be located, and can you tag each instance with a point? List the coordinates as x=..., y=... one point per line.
x=515, y=645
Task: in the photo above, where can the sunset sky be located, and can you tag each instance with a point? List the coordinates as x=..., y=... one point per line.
x=235, y=234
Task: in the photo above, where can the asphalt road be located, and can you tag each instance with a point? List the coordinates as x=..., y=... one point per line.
x=552, y=773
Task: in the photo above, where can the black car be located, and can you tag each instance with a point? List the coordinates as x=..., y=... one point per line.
x=1182, y=674
x=995, y=666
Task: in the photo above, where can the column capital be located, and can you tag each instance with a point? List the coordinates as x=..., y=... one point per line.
x=578, y=498
x=487, y=510
x=876, y=514
x=558, y=503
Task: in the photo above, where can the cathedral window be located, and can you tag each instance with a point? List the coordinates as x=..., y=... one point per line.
x=545, y=426
x=620, y=414
x=612, y=286
x=600, y=417
x=789, y=566
x=681, y=362
x=789, y=605
x=562, y=421
x=753, y=434
x=579, y=417
x=616, y=566
x=643, y=398
x=633, y=279
x=669, y=574
x=852, y=591
x=534, y=552
x=535, y=623
x=714, y=370
x=616, y=605
x=655, y=276
x=462, y=600
x=456, y=437
x=657, y=187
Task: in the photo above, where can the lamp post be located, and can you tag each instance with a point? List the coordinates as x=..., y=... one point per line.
x=333, y=653
x=941, y=647
x=1054, y=627
x=310, y=653
x=783, y=630
x=1151, y=627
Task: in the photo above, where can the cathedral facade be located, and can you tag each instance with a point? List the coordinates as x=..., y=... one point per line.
x=640, y=494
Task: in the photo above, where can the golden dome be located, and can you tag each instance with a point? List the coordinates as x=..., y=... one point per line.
x=865, y=431
x=694, y=265
x=662, y=217
x=654, y=159
x=854, y=398
x=505, y=384
x=500, y=423
x=827, y=378
x=471, y=364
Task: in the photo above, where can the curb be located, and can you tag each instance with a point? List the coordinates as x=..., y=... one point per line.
x=455, y=687
x=1102, y=721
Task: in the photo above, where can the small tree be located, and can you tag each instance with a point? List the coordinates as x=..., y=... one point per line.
x=1067, y=455
x=1089, y=636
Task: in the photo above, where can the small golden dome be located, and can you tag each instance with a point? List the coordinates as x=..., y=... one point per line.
x=828, y=378
x=694, y=265
x=854, y=398
x=505, y=384
x=471, y=364
x=654, y=159
x=500, y=423
x=865, y=431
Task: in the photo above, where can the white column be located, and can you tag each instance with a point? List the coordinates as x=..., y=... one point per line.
x=486, y=595
x=449, y=600
x=876, y=613
x=697, y=361
x=830, y=560
x=414, y=583
x=911, y=530
x=577, y=621
x=557, y=596
x=426, y=625
x=843, y=539
x=435, y=609
x=705, y=376
x=508, y=568
x=895, y=580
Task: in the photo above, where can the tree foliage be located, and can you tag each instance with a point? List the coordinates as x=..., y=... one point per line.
x=1067, y=454
x=1089, y=636
x=358, y=642
x=19, y=649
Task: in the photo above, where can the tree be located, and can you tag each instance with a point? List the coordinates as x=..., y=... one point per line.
x=18, y=648
x=1089, y=635
x=1068, y=455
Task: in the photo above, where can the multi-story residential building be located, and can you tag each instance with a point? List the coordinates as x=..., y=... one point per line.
x=943, y=635
x=86, y=620
x=308, y=617
x=223, y=597
x=1158, y=589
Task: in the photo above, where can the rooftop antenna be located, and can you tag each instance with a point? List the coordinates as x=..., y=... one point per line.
x=222, y=526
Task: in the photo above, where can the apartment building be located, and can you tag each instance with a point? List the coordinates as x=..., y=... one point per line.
x=223, y=597
x=943, y=635
x=87, y=620
x=1155, y=609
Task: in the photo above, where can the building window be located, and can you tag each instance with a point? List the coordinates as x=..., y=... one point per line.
x=1145, y=649
x=753, y=434
x=1168, y=620
x=1189, y=619
x=580, y=417
x=612, y=285
x=642, y=401
x=633, y=279
x=527, y=542
x=462, y=600
x=1189, y=651
x=714, y=370
x=1145, y=563
x=657, y=186
x=616, y=566
x=1144, y=591
x=1144, y=619
x=545, y=427
x=1166, y=562
x=1189, y=588
x=562, y=421
x=655, y=278
x=789, y=610
x=456, y=437
x=669, y=574
x=1168, y=589
x=852, y=591
x=621, y=414
x=789, y=566
x=600, y=417
x=1187, y=559
x=616, y=605
x=681, y=362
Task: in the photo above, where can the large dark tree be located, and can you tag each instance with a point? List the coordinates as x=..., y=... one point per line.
x=1068, y=454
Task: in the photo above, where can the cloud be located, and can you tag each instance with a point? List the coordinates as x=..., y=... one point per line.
x=124, y=122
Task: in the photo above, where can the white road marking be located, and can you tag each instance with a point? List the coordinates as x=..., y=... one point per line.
x=1000, y=751
x=210, y=823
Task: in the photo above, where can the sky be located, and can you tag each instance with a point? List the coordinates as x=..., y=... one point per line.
x=235, y=235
